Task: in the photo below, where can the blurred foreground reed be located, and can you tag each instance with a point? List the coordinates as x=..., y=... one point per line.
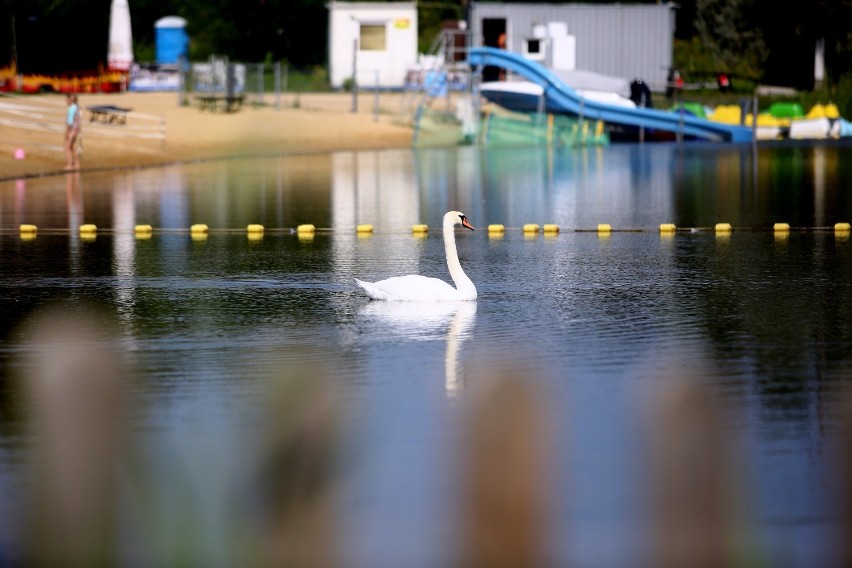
x=88, y=496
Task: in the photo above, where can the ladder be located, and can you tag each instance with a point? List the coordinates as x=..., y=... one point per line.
x=444, y=69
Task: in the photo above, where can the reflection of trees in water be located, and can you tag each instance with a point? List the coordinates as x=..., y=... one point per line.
x=778, y=306
x=798, y=184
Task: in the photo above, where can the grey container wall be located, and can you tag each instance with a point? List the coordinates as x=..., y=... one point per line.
x=629, y=41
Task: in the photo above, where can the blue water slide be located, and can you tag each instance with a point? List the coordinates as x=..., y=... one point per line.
x=560, y=95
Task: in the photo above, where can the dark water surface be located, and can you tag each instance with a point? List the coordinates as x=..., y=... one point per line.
x=600, y=321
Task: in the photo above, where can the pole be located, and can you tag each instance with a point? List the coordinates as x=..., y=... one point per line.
x=376, y=99
x=286, y=76
x=261, y=69
x=18, y=85
x=754, y=119
x=180, y=80
x=354, y=75
x=277, y=70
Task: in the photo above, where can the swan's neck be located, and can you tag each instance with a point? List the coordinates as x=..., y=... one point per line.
x=462, y=282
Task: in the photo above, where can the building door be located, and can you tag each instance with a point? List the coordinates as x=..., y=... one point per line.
x=494, y=35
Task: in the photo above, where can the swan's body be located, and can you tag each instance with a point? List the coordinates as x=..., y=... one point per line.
x=416, y=288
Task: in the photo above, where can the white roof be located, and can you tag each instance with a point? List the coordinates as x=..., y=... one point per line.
x=170, y=22
x=356, y=6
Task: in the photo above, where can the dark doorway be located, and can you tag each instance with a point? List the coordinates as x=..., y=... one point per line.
x=493, y=35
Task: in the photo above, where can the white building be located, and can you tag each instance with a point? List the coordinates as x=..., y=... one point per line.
x=621, y=40
x=378, y=40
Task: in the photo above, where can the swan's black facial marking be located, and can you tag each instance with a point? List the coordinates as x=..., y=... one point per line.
x=465, y=223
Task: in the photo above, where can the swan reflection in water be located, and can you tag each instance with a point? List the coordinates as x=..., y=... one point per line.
x=430, y=320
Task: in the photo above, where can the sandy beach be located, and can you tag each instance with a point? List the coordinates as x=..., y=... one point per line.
x=305, y=123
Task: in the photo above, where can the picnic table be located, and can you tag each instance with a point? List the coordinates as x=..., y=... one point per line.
x=108, y=114
x=231, y=102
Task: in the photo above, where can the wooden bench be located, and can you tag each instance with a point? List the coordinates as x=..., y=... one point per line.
x=108, y=114
x=232, y=103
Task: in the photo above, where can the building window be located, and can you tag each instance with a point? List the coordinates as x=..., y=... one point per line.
x=373, y=37
x=534, y=49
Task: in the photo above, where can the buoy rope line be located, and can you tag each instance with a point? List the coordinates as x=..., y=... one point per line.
x=419, y=230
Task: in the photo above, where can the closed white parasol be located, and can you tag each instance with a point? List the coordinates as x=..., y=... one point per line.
x=120, y=52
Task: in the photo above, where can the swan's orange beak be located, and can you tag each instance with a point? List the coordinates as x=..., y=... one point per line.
x=466, y=223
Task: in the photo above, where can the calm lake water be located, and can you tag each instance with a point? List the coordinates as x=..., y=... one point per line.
x=599, y=322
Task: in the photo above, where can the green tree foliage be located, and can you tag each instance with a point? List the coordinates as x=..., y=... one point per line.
x=759, y=39
x=246, y=30
x=55, y=36
x=730, y=35
x=771, y=40
x=431, y=17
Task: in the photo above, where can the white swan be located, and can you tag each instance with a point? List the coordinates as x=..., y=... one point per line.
x=416, y=288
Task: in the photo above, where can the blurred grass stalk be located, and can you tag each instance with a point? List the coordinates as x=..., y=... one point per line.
x=288, y=514
x=75, y=394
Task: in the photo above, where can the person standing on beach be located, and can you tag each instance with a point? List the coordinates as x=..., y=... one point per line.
x=72, y=132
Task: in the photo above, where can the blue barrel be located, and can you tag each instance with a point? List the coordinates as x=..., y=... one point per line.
x=172, y=41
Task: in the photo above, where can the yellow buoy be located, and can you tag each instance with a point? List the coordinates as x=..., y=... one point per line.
x=842, y=227
x=364, y=229
x=419, y=229
x=604, y=228
x=255, y=236
x=254, y=229
x=88, y=232
x=781, y=227
x=551, y=228
x=496, y=228
x=723, y=227
x=531, y=228
x=306, y=229
x=28, y=232
x=143, y=232
x=668, y=228
x=198, y=229
x=198, y=236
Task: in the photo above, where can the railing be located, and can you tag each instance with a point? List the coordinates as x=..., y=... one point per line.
x=442, y=71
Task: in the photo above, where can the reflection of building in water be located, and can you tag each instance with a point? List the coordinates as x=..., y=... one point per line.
x=378, y=188
x=819, y=186
x=124, y=245
x=174, y=201
x=451, y=179
x=74, y=206
x=632, y=183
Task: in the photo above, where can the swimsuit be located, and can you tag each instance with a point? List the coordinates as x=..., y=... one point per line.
x=72, y=116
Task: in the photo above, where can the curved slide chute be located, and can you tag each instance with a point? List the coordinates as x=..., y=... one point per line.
x=563, y=96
